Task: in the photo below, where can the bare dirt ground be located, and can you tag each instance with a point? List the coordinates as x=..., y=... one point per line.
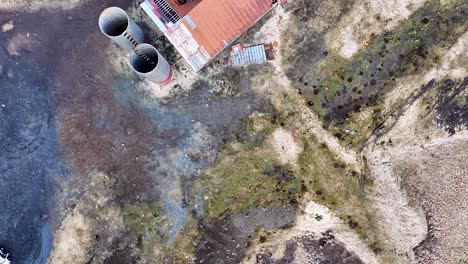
x=79, y=232
x=34, y=5
x=417, y=167
x=316, y=222
x=284, y=144
x=430, y=175
x=405, y=223
x=127, y=142
x=365, y=19
x=308, y=122
x=435, y=176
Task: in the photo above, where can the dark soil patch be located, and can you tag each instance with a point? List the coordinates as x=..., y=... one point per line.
x=323, y=250
x=122, y=257
x=280, y=173
x=225, y=240
x=393, y=54
x=452, y=105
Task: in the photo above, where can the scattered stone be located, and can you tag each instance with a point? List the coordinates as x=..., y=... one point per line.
x=7, y=26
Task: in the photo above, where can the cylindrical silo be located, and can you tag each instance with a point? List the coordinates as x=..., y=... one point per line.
x=147, y=62
x=117, y=25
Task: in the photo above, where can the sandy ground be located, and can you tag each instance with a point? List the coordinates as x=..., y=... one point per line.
x=429, y=175
x=435, y=176
x=7, y=26
x=307, y=122
x=404, y=225
x=401, y=169
x=82, y=227
x=314, y=220
x=285, y=146
x=368, y=17
x=72, y=240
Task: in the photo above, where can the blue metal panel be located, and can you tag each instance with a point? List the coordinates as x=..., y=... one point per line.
x=190, y=21
x=249, y=55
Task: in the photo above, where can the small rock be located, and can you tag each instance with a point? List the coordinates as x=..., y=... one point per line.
x=7, y=27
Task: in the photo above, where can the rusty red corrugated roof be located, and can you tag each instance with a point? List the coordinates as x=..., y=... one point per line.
x=218, y=22
x=184, y=9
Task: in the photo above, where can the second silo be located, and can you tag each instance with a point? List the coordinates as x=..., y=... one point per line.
x=147, y=62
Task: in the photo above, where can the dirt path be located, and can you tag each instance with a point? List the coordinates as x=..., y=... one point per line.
x=405, y=223
x=307, y=122
x=428, y=174
x=286, y=99
x=316, y=221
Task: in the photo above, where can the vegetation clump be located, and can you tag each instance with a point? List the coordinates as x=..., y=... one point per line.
x=338, y=89
x=142, y=219
x=244, y=177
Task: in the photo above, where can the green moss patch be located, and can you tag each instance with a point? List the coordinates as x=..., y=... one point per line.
x=142, y=219
x=245, y=177
x=332, y=184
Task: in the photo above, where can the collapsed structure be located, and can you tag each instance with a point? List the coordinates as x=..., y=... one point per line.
x=200, y=29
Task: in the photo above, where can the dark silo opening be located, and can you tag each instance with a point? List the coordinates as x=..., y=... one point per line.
x=144, y=58
x=113, y=21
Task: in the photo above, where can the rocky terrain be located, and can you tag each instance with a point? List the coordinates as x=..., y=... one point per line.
x=349, y=147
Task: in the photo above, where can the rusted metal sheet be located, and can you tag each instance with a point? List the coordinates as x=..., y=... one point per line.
x=208, y=26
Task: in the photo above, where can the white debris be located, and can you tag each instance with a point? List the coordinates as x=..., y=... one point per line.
x=7, y=26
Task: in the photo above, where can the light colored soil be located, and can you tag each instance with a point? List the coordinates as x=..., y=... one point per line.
x=413, y=171
x=286, y=148
x=279, y=86
x=436, y=177
x=368, y=17
x=7, y=26
x=427, y=173
x=308, y=223
x=73, y=240
x=96, y=213
x=404, y=225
